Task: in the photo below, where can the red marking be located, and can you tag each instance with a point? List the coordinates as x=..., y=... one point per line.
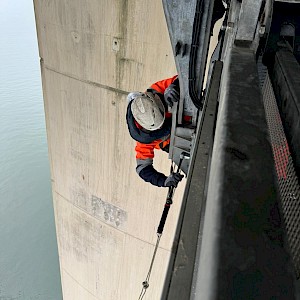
x=281, y=157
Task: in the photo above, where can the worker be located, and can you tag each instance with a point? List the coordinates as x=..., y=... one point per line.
x=149, y=122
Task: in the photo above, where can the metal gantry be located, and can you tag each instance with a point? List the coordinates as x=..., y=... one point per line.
x=238, y=232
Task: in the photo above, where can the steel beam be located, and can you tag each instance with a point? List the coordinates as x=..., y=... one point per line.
x=243, y=253
x=248, y=22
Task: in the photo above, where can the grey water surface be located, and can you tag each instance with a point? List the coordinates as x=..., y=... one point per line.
x=29, y=267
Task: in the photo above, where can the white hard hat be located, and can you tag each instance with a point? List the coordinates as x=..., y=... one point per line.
x=148, y=110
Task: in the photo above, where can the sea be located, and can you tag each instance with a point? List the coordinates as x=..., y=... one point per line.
x=29, y=265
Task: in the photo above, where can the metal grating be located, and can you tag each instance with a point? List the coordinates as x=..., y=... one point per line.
x=287, y=179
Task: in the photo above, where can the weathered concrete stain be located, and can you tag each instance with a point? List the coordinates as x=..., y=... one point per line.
x=107, y=212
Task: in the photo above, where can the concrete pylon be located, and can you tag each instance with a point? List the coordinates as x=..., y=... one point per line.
x=92, y=54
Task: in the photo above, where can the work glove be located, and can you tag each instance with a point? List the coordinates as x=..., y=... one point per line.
x=173, y=179
x=171, y=94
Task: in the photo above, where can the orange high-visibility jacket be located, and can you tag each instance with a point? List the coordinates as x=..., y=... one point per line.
x=145, y=150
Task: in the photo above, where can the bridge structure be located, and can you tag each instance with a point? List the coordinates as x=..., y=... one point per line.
x=234, y=229
x=238, y=233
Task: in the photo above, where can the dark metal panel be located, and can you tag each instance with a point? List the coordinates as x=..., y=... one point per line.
x=284, y=13
x=243, y=253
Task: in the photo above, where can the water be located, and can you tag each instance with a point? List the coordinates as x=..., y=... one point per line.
x=29, y=266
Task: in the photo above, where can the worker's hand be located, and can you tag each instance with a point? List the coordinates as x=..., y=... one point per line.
x=173, y=179
x=171, y=94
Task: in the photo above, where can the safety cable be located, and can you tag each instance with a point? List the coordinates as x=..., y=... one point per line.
x=169, y=201
x=146, y=282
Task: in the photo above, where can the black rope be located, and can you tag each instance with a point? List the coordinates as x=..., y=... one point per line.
x=169, y=200
x=168, y=203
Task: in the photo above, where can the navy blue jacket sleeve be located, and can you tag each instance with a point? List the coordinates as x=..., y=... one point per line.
x=149, y=174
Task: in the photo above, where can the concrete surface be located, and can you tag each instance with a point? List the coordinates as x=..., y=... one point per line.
x=92, y=54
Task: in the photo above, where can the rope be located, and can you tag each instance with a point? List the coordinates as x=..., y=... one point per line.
x=161, y=225
x=146, y=282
